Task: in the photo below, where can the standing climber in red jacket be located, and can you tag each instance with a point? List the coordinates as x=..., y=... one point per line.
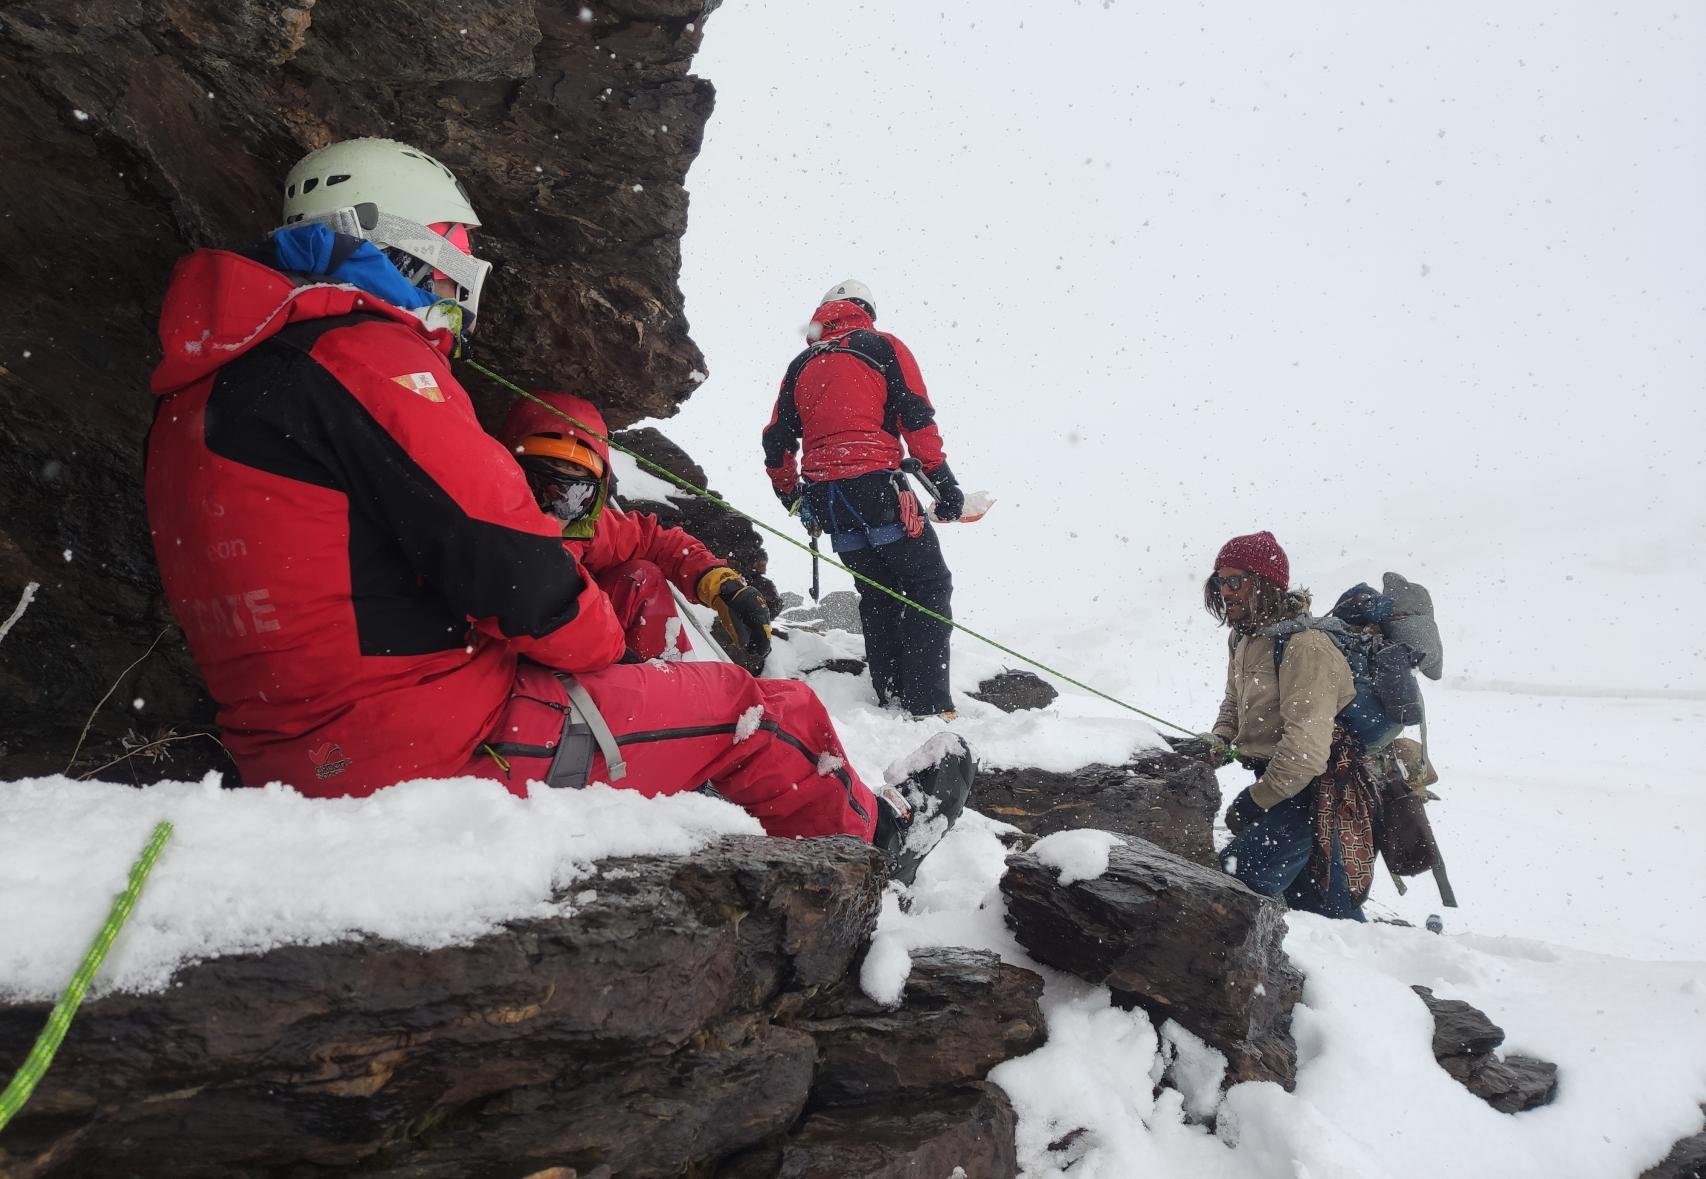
x=562, y=447
x=362, y=572
x=853, y=399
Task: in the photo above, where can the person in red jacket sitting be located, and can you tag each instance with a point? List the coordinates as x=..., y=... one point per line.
x=362, y=573
x=562, y=447
x=852, y=400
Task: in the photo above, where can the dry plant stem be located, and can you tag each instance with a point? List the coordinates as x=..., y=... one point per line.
x=142, y=749
x=85, y=733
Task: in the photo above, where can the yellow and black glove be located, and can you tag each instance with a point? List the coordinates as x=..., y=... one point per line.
x=740, y=607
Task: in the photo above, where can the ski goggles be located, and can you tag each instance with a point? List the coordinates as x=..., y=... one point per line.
x=445, y=253
x=567, y=497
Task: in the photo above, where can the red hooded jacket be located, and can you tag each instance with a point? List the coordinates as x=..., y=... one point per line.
x=850, y=397
x=356, y=564
x=615, y=536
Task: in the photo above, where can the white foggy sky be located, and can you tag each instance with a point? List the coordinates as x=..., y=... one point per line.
x=1415, y=289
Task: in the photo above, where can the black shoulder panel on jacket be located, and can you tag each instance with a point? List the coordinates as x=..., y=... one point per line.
x=419, y=565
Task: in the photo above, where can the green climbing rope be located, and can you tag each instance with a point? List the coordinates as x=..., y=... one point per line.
x=702, y=493
x=41, y=1054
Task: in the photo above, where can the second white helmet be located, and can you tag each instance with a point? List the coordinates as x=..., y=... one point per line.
x=854, y=290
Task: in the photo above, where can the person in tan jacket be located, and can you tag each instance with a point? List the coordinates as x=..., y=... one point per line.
x=1303, y=830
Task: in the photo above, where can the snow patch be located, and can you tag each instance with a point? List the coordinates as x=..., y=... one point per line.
x=1197, y=1070
x=887, y=965
x=1077, y=855
x=923, y=758
x=24, y=600
x=749, y=722
x=427, y=863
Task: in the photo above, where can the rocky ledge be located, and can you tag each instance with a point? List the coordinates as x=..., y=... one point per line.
x=680, y=1014
x=675, y=1015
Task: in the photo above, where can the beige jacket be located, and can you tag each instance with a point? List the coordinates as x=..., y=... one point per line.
x=1289, y=719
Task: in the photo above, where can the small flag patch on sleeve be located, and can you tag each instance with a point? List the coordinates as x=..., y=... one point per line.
x=424, y=384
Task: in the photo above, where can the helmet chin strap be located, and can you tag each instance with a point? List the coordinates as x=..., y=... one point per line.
x=367, y=222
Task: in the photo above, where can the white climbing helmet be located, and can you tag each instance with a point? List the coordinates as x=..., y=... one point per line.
x=394, y=196
x=399, y=179
x=851, y=289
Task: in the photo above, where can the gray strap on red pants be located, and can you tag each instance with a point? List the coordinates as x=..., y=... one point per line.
x=582, y=708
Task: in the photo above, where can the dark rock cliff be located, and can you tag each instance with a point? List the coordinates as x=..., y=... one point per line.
x=131, y=132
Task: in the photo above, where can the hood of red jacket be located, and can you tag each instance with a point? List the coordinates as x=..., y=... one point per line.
x=528, y=417
x=219, y=305
x=837, y=318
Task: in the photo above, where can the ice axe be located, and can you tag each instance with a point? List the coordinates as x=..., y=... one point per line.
x=916, y=469
x=815, y=531
x=976, y=504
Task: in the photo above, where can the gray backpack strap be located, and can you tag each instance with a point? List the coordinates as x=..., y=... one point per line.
x=581, y=705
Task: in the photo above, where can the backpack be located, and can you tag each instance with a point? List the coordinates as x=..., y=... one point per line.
x=1384, y=637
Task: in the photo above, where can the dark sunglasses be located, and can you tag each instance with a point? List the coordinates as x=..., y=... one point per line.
x=1233, y=583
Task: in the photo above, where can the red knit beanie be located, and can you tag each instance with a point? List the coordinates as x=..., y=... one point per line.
x=1258, y=553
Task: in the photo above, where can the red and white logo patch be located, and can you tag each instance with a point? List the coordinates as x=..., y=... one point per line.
x=422, y=384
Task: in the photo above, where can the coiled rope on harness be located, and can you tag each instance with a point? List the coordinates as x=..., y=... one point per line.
x=710, y=497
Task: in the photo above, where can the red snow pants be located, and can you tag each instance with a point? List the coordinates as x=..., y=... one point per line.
x=639, y=593
x=765, y=745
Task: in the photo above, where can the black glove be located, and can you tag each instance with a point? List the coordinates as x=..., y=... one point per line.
x=950, y=500
x=1243, y=811
x=747, y=618
x=629, y=655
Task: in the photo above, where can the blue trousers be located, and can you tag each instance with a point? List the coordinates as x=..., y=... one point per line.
x=1271, y=856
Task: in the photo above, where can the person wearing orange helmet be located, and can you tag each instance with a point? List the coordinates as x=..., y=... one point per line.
x=561, y=442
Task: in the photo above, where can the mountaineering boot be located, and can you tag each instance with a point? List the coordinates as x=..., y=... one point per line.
x=924, y=795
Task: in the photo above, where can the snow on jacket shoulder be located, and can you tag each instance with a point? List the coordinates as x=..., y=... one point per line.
x=1285, y=718
x=849, y=399
x=356, y=564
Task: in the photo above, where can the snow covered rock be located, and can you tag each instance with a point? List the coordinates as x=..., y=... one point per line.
x=1464, y=1040
x=1161, y=796
x=635, y=1030
x=1182, y=941
x=1013, y=689
x=964, y=1012
x=1686, y=1160
x=837, y=610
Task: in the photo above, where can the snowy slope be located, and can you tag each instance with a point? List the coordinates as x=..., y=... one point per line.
x=250, y=869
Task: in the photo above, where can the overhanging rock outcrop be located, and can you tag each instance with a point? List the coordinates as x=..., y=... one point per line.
x=131, y=133
x=681, y=1013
